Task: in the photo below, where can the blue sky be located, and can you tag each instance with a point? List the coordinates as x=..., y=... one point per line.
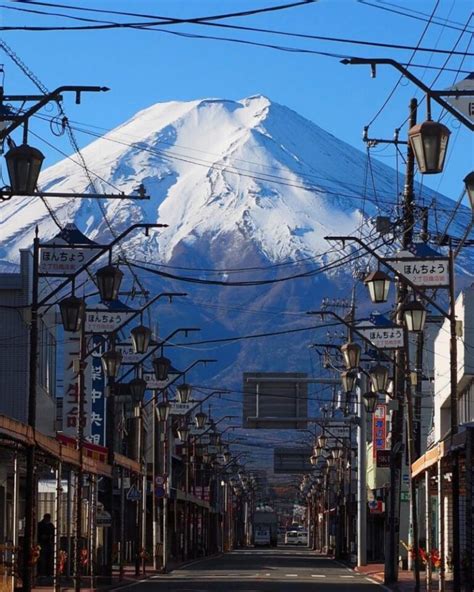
x=145, y=67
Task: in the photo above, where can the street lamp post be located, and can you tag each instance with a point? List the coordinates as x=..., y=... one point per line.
x=36, y=305
x=416, y=323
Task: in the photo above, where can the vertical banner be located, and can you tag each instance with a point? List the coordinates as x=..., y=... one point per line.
x=71, y=390
x=97, y=393
x=379, y=429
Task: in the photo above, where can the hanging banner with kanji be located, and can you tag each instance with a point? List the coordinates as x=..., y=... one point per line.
x=71, y=390
x=97, y=390
x=379, y=429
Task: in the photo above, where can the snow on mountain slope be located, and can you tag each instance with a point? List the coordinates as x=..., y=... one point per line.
x=215, y=169
x=234, y=180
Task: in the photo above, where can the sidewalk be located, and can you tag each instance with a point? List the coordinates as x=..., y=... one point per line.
x=129, y=577
x=406, y=578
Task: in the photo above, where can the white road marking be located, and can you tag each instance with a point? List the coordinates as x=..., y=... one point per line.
x=317, y=576
x=378, y=584
x=347, y=576
x=291, y=575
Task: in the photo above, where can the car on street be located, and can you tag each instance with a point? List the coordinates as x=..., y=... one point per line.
x=302, y=538
x=291, y=537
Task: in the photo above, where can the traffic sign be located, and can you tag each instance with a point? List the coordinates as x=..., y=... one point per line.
x=160, y=480
x=376, y=506
x=134, y=494
x=160, y=492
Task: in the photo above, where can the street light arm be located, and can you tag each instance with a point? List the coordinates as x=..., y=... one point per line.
x=94, y=258
x=138, y=312
x=384, y=262
x=55, y=95
x=159, y=391
x=206, y=398
x=199, y=436
x=435, y=95
x=185, y=330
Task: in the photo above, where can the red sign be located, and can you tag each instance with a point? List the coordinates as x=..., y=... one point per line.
x=376, y=507
x=379, y=429
x=90, y=450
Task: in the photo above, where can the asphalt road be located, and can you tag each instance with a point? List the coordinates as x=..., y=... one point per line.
x=261, y=570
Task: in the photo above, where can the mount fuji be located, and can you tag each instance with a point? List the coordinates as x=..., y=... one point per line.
x=249, y=189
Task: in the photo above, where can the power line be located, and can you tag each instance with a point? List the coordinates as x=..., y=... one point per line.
x=410, y=13
x=394, y=89
x=174, y=20
x=207, y=22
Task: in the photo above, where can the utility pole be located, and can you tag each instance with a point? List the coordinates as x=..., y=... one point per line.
x=396, y=456
x=361, y=476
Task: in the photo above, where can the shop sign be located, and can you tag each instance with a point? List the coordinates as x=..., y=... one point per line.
x=383, y=459
x=97, y=393
x=379, y=429
x=71, y=391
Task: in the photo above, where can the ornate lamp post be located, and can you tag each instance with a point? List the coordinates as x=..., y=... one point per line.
x=161, y=367
x=469, y=184
x=183, y=432
x=351, y=354
x=24, y=166
x=163, y=409
x=414, y=315
x=348, y=379
x=137, y=387
x=72, y=311
x=322, y=441
x=378, y=283
x=429, y=142
x=111, y=361
x=370, y=400
x=108, y=280
x=379, y=378
x=184, y=392
x=200, y=419
x=141, y=336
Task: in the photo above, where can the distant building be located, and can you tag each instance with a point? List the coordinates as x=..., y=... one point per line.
x=15, y=298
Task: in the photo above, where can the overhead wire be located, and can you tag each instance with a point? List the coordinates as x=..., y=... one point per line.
x=209, y=22
x=410, y=13
x=173, y=20
x=397, y=84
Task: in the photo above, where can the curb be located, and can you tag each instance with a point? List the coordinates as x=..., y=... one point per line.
x=157, y=574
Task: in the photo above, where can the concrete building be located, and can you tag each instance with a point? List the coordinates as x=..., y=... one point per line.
x=433, y=470
x=15, y=297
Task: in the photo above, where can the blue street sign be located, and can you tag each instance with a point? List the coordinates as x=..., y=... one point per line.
x=160, y=492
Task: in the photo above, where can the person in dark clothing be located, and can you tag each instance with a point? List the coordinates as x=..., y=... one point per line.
x=46, y=542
